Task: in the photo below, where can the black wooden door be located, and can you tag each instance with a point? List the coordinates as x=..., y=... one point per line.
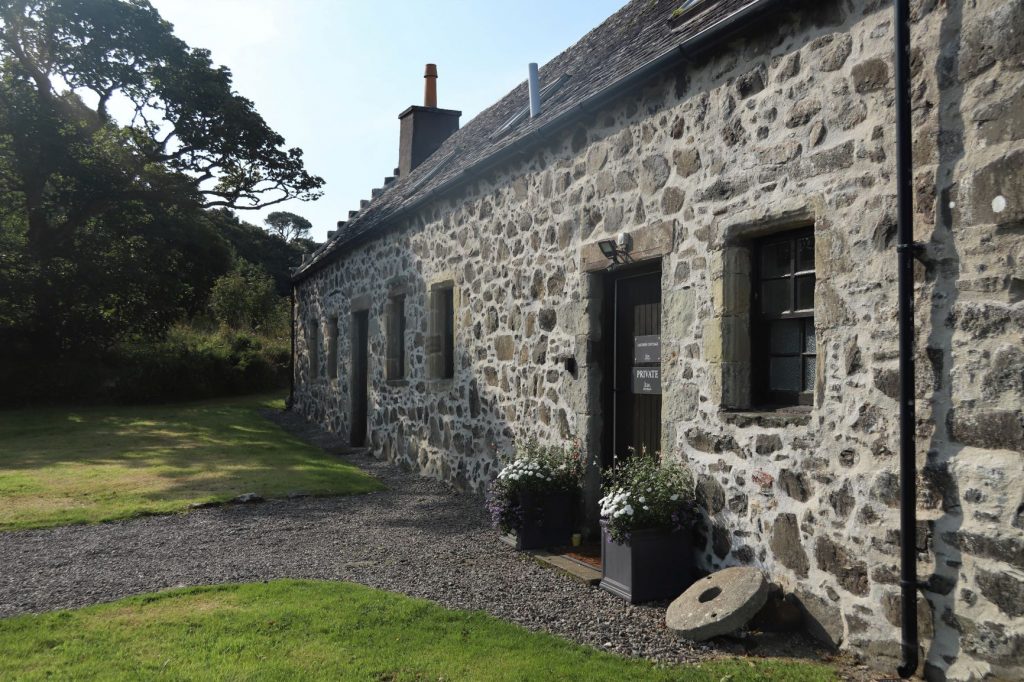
x=636, y=404
x=360, y=358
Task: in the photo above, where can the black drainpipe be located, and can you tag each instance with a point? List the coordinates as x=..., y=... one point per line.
x=905, y=254
x=291, y=360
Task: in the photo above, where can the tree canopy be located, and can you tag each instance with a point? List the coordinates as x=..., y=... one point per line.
x=256, y=245
x=288, y=226
x=184, y=114
x=115, y=136
x=245, y=298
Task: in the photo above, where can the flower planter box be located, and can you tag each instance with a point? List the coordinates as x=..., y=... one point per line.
x=547, y=521
x=654, y=565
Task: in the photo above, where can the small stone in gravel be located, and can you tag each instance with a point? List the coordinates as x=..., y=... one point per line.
x=247, y=498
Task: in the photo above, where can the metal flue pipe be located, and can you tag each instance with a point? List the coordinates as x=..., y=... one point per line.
x=905, y=292
x=534, y=81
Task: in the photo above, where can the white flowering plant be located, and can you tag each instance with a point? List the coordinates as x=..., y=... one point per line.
x=647, y=491
x=533, y=470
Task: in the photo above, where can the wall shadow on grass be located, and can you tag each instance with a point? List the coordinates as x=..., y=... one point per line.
x=89, y=465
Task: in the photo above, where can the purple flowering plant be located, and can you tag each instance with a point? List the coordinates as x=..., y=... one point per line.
x=647, y=491
x=533, y=470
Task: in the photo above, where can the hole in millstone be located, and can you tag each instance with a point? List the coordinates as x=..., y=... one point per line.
x=714, y=615
x=708, y=595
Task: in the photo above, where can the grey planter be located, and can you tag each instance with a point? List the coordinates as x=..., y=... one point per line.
x=654, y=565
x=547, y=520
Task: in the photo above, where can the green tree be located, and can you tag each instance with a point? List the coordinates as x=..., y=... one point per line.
x=103, y=216
x=256, y=245
x=245, y=298
x=186, y=116
x=288, y=226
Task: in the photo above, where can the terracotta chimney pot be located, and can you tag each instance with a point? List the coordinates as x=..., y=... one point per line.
x=430, y=86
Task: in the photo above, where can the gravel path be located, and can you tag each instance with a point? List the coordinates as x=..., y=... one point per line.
x=418, y=537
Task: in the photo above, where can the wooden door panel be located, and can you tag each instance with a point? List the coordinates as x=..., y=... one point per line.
x=360, y=372
x=637, y=312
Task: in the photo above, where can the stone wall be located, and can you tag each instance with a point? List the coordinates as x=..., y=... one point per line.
x=790, y=127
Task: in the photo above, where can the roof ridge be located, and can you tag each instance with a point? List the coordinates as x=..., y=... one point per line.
x=632, y=39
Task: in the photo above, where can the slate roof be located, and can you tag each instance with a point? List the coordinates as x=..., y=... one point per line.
x=637, y=34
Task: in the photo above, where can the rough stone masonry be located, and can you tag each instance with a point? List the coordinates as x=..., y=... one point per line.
x=789, y=126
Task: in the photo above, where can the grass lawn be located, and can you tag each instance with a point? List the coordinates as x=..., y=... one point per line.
x=289, y=629
x=61, y=466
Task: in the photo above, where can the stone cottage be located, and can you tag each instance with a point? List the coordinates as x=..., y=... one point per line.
x=691, y=248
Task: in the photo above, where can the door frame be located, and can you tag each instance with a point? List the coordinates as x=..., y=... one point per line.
x=360, y=323
x=609, y=325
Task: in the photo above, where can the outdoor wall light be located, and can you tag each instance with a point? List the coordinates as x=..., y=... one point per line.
x=616, y=250
x=609, y=250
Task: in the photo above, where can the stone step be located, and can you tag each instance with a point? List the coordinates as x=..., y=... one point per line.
x=574, y=569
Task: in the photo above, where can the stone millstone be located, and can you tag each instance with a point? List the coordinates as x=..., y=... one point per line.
x=719, y=604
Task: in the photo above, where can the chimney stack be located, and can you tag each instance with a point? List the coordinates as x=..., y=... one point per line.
x=424, y=128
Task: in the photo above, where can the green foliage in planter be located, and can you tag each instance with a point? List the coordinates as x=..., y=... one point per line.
x=647, y=491
x=536, y=470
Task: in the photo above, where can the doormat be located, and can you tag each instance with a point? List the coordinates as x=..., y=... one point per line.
x=589, y=554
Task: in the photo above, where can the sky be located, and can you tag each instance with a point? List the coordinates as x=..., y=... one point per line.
x=331, y=76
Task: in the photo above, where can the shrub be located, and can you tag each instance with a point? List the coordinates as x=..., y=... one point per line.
x=647, y=491
x=536, y=469
x=246, y=298
x=191, y=363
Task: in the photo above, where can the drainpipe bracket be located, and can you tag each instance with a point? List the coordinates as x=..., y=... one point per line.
x=918, y=250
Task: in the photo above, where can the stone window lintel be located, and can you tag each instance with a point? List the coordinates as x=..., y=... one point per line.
x=649, y=242
x=743, y=226
x=360, y=303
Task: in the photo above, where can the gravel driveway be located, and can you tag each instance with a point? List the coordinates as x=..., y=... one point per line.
x=418, y=537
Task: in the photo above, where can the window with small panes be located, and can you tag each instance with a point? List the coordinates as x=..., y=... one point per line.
x=784, y=343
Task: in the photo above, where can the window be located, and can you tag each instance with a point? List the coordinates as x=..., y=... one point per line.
x=395, y=321
x=441, y=339
x=313, y=347
x=784, y=345
x=332, y=347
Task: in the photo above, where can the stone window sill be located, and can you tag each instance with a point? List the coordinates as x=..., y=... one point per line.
x=440, y=385
x=772, y=418
x=397, y=383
